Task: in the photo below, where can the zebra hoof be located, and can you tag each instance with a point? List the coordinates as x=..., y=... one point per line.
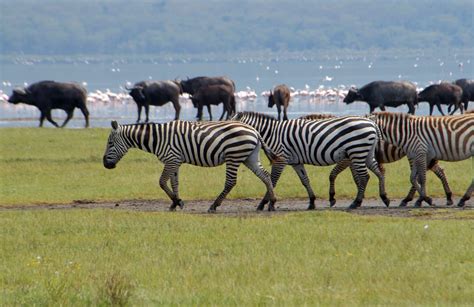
x=262, y=204
x=403, y=204
x=462, y=202
x=311, y=207
x=271, y=207
x=354, y=205
x=385, y=200
x=173, y=207
x=332, y=203
x=449, y=203
x=211, y=210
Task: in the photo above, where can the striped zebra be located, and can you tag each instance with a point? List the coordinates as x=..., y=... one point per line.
x=203, y=144
x=428, y=138
x=384, y=153
x=324, y=142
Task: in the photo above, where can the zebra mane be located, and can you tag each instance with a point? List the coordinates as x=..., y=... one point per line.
x=251, y=114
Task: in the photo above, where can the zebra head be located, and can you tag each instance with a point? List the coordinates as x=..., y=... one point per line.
x=116, y=147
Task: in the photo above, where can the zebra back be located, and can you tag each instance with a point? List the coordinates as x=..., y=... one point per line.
x=448, y=138
x=319, y=142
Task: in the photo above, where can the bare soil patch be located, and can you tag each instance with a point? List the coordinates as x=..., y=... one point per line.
x=247, y=207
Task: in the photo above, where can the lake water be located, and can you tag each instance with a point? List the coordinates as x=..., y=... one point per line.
x=248, y=74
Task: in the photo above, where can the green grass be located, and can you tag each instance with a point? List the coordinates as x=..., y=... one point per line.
x=84, y=257
x=109, y=257
x=62, y=165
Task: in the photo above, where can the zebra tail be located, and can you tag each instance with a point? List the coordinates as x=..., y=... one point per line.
x=273, y=157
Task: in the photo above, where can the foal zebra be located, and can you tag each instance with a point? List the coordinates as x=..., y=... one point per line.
x=384, y=153
x=324, y=142
x=427, y=138
x=203, y=144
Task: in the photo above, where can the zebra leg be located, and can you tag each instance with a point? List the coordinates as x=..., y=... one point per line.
x=340, y=166
x=253, y=163
x=170, y=169
x=420, y=166
x=174, y=185
x=300, y=170
x=412, y=191
x=277, y=169
x=377, y=170
x=230, y=182
x=439, y=172
x=361, y=177
x=467, y=195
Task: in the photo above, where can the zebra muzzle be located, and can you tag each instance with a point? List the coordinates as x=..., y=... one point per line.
x=107, y=164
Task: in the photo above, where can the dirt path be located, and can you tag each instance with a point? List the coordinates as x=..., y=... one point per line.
x=238, y=207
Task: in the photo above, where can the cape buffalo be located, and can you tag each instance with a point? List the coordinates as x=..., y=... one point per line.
x=191, y=86
x=467, y=91
x=214, y=95
x=443, y=93
x=155, y=93
x=48, y=95
x=385, y=94
x=280, y=97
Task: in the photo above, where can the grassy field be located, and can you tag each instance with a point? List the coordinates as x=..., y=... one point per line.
x=102, y=257
x=79, y=257
x=61, y=165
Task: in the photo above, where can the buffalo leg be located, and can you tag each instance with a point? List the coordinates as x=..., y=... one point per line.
x=177, y=109
x=411, y=108
x=50, y=119
x=431, y=108
x=69, y=113
x=382, y=107
x=139, y=107
x=438, y=105
x=279, y=111
x=285, y=117
x=85, y=112
x=147, y=111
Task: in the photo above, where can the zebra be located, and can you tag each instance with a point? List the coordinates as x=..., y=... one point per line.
x=384, y=153
x=326, y=142
x=427, y=138
x=203, y=144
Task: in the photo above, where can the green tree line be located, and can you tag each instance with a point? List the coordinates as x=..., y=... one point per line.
x=184, y=26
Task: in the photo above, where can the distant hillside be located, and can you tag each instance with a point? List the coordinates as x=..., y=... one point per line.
x=184, y=26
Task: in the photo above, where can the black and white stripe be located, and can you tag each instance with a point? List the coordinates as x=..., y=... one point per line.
x=203, y=144
x=384, y=153
x=428, y=138
x=324, y=142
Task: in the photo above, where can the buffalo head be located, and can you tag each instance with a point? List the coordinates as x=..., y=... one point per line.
x=19, y=95
x=137, y=94
x=352, y=96
x=271, y=100
x=186, y=86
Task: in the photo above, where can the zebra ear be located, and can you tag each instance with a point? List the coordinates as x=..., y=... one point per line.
x=114, y=124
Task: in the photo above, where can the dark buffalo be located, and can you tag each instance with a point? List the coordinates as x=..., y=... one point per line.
x=443, y=93
x=156, y=93
x=214, y=95
x=191, y=86
x=385, y=94
x=48, y=95
x=281, y=98
x=467, y=91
